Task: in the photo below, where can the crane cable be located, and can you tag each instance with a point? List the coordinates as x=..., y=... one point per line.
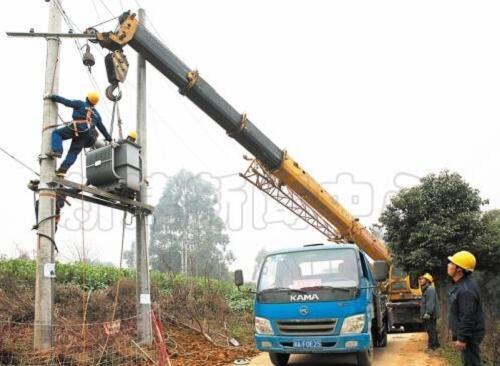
x=116, y=111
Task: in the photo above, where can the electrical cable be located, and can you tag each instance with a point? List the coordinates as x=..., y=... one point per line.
x=19, y=161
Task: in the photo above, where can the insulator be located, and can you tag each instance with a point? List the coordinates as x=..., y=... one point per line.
x=88, y=57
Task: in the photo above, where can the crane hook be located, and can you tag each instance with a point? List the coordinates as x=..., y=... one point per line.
x=110, y=90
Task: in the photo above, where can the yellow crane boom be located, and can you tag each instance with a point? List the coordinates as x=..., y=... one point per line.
x=276, y=167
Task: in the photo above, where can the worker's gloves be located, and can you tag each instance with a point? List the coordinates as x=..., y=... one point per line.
x=113, y=144
x=49, y=96
x=426, y=316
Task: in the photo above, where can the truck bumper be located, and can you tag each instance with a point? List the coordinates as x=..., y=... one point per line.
x=329, y=344
x=404, y=312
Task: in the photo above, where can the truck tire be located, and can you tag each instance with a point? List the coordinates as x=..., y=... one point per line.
x=279, y=359
x=365, y=358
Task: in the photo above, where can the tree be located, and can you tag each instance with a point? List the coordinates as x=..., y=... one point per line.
x=186, y=223
x=429, y=222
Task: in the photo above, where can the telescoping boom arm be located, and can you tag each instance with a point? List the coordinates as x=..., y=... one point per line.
x=240, y=128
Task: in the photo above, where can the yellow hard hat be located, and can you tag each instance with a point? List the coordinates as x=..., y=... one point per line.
x=93, y=97
x=428, y=277
x=133, y=135
x=464, y=259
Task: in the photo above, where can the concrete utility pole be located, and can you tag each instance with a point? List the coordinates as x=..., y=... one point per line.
x=142, y=258
x=45, y=273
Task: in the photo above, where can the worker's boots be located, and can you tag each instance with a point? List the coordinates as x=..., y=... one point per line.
x=61, y=173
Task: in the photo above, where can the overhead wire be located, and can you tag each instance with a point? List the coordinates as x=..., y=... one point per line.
x=106, y=7
x=159, y=117
x=71, y=24
x=19, y=161
x=206, y=132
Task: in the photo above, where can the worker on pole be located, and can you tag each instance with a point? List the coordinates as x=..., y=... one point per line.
x=429, y=310
x=465, y=318
x=82, y=130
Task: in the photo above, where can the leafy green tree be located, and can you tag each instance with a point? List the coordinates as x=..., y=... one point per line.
x=185, y=219
x=440, y=216
x=427, y=223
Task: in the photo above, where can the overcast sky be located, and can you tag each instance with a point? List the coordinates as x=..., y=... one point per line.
x=366, y=95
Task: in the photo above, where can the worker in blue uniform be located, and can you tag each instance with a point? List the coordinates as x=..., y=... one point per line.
x=81, y=130
x=465, y=310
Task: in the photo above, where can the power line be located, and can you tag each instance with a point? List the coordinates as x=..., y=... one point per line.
x=106, y=7
x=73, y=25
x=19, y=161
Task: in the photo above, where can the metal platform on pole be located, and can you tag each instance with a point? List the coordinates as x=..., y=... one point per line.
x=100, y=197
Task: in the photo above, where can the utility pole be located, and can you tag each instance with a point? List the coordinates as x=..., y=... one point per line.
x=142, y=258
x=45, y=270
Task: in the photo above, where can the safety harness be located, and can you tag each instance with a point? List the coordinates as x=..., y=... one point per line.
x=87, y=121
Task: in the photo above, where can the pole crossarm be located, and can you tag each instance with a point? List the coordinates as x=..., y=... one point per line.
x=100, y=197
x=51, y=35
x=261, y=178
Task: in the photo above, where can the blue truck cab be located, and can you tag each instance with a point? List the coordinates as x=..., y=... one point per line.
x=320, y=298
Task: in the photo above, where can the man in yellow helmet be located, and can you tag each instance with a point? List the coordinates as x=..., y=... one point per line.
x=82, y=130
x=465, y=312
x=132, y=136
x=429, y=310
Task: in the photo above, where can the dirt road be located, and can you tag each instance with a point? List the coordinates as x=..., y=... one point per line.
x=403, y=349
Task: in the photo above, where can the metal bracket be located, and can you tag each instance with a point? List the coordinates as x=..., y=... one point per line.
x=261, y=178
x=101, y=197
x=51, y=35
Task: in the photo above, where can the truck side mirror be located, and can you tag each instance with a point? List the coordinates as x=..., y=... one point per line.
x=238, y=278
x=380, y=270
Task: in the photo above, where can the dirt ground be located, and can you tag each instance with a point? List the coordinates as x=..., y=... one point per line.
x=402, y=349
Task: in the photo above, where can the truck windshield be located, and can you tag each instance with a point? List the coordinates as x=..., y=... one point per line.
x=334, y=269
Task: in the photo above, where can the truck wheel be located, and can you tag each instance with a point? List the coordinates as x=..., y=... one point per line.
x=279, y=359
x=365, y=358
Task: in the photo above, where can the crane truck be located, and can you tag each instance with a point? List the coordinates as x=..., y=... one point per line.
x=322, y=298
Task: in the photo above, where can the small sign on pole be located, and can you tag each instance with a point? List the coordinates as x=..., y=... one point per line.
x=49, y=270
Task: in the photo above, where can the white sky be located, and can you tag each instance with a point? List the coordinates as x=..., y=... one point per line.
x=366, y=95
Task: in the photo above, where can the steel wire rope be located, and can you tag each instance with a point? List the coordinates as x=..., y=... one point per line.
x=151, y=108
x=71, y=24
x=180, y=97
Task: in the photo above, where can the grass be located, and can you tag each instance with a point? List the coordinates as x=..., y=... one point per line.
x=453, y=357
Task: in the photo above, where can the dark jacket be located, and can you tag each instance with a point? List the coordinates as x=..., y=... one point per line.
x=465, y=318
x=429, y=303
x=80, y=109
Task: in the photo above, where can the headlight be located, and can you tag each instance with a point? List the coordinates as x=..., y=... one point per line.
x=263, y=326
x=353, y=324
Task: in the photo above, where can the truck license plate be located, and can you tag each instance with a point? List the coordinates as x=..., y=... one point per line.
x=307, y=343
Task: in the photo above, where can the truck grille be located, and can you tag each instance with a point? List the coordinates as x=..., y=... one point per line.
x=307, y=327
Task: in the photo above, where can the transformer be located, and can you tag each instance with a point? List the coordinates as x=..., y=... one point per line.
x=116, y=169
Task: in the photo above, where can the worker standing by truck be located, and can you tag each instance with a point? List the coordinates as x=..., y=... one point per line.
x=429, y=310
x=466, y=318
x=81, y=130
